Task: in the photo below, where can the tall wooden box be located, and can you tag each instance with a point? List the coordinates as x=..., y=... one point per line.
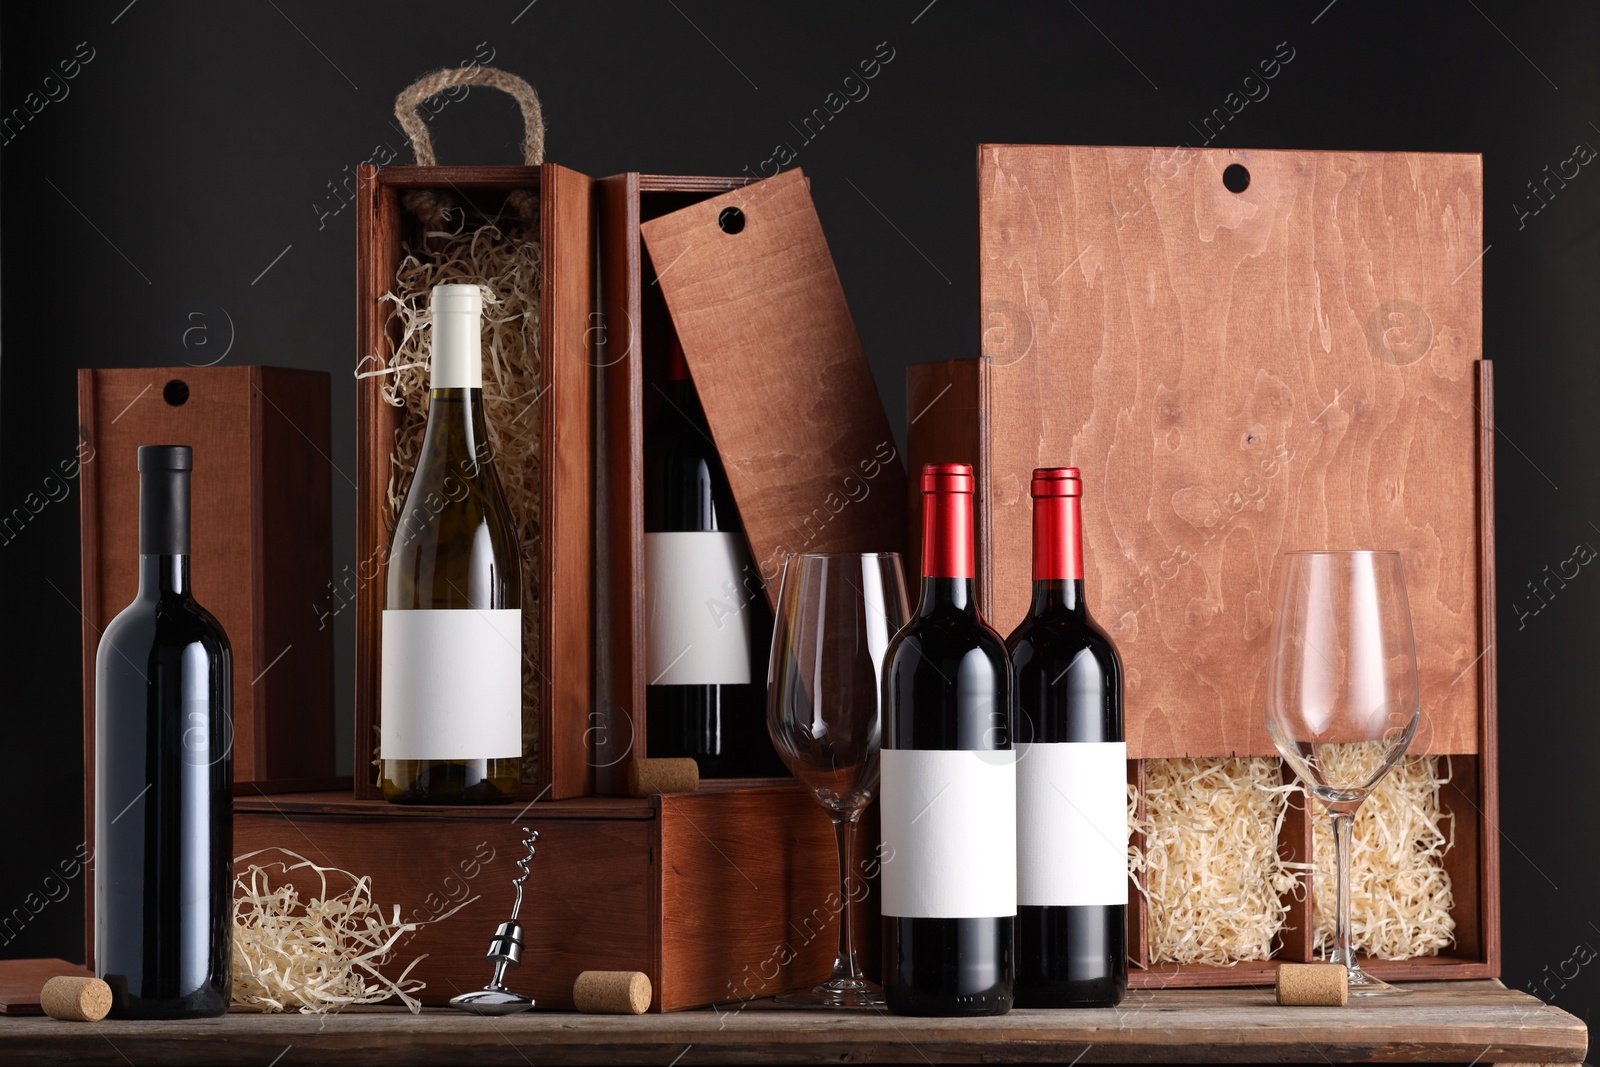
x=262, y=539
x=1294, y=365
x=261, y=535
x=384, y=227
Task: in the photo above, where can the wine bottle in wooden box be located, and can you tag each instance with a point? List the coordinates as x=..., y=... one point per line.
x=452, y=628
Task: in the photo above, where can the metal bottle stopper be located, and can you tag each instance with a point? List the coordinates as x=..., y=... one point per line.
x=505, y=951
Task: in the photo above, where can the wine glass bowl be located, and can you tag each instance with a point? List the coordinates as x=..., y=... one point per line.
x=837, y=613
x=1342, y=698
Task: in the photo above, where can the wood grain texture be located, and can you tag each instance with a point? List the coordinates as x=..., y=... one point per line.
x=749, y=895
x=22, y=980
x=710, y=893
x=619, y=492
x=780, y=371
x=567, y=220
x=567, y=226
x=1439, y=1024
x=1238, y=375
x=947, y=421
x=585, y=904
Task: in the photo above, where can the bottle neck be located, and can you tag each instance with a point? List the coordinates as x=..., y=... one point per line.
x=1058, y=555
x=163, y=533
x=457, y=428
x=947, y=554
x=162, y=576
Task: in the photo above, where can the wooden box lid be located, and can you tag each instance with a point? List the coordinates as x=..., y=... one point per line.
x=779, y=368
x=1239, y=374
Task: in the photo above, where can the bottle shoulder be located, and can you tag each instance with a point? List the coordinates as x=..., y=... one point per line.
x=1058, y=635
x=948, y=635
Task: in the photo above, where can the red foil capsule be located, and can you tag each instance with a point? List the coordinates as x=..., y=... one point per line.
x=947, y=520
x=1057, y=524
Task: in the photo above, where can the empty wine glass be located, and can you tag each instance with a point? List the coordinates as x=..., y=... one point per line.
x=1342, y=696
x=836, y=615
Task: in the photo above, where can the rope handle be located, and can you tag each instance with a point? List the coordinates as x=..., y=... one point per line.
x=412, y=98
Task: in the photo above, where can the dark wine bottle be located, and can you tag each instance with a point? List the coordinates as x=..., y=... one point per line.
x=1072, y=807
x=163, y=776
x=948, y=782
x=706, y=613
x=451, y=711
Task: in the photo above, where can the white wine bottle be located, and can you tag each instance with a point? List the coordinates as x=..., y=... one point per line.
x=451, y=714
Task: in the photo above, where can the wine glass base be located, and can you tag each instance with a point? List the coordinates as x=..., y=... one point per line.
x=1363, y=984
x=838, y=993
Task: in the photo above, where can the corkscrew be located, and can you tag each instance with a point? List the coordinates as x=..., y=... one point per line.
x=505, y=951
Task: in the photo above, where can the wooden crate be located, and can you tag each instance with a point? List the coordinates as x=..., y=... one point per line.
x=719, y=896
x=566, y=236
x=1297, y=365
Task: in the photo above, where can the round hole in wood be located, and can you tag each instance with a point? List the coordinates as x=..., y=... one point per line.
x=176, y=392
x=1236, y=178
x=731, y=220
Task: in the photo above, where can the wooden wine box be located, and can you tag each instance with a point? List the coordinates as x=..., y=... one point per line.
x=262, y=540
x=385, y=228
x=718, y=896
x=1297, y=364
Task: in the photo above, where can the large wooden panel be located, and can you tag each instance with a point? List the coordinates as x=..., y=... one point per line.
x=779, y=368
x=1238, y=375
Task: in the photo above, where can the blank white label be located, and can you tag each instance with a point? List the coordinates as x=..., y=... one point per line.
x=949, y=833
x=452, y=684
x=1072, y=823
x=697, y=631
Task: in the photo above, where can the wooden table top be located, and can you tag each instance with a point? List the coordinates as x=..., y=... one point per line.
x=1478, y=1022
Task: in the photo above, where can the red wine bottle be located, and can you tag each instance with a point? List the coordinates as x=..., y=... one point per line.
x=163, y=775
x=947, y=790
x=706, y=614
x=1072, y=808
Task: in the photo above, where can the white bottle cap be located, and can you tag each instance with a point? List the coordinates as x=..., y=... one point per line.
x=457, y=333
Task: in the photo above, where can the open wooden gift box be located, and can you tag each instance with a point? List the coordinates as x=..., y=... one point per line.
x=721, y=895
x=1239, y=374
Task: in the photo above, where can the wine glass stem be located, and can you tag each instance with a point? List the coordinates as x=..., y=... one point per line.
x=1342, y=822
x=844, y=829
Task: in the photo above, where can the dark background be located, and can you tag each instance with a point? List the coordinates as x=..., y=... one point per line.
x=201, y=140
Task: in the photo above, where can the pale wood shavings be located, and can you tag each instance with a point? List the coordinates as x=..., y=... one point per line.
x=1400, y=893
x=503, y=257
x=1213, y=880
x=319, y=955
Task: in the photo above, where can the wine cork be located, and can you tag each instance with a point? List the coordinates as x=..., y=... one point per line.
x=647, y=777
x=613, y=992
x=83, y=999
x=1302, y=984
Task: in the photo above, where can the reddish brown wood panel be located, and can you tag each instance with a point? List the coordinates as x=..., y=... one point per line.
x=779, y=368
x=947, y=422
x=294, y=566
x=619, y=514
x=1297, y=939
x=567, y=221
x=1238, y=374
x=586, y=903
x=749, y=895
x=1486, y=805
x=378, y=250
